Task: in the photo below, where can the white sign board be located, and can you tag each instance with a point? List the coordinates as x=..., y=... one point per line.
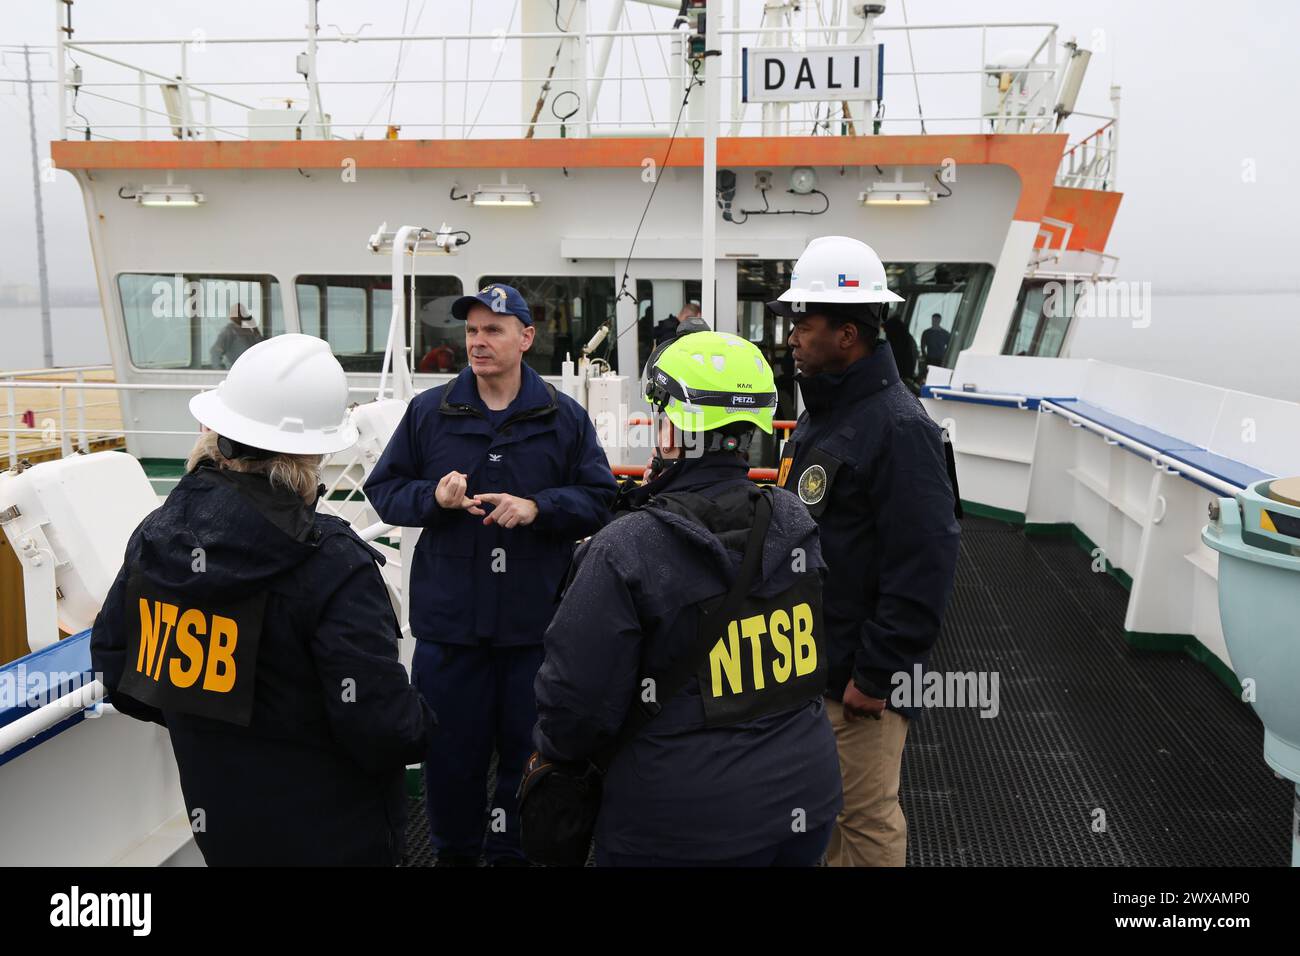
x=786, y=74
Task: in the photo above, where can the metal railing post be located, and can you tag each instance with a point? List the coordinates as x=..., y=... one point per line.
x=82, y=442
x=144, y=104
x=1113, y=178
x=13, y=424
x=60, y=61
x=583, y=78
x=65, y=446
x=185, y=92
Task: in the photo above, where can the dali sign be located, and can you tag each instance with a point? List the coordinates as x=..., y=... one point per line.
x=792, y=74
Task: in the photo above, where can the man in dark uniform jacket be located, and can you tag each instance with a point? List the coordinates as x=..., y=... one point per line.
x=871, y=467
x=503, y=474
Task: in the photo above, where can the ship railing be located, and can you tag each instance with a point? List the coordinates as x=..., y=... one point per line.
x=639, y=92
x=1090, y=162
x=89, y=696
x=82, y=438
x=69, y=432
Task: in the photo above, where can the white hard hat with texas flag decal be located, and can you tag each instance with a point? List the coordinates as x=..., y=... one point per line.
x=835, y=270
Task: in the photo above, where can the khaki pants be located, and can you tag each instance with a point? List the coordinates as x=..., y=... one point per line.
x=871, y=829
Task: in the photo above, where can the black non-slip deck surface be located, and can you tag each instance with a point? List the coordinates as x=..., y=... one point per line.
x=1152, y=740
x=1100, y=755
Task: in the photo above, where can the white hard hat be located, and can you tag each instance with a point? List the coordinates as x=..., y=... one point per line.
x=286, y=394
x=836, y=270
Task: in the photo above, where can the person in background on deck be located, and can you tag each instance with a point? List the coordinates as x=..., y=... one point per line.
x=503, y=474
x=903, y=346
x=260, y=634
x=665, y=331
x=934, y=341
x=440, y=358
x=235, y=338
x=872, y=467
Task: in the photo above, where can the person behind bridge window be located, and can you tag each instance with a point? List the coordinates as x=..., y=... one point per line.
x=235, y=338
x=873, y=469
x=666, y=329
x=260, y=634
x=934, y=341
x=730, y=760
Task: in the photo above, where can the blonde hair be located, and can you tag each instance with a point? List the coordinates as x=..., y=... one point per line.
x=297, y=473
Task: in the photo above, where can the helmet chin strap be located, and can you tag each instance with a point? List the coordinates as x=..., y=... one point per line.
x=231, y=449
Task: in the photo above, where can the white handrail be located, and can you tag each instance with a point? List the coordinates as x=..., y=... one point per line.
x=49, y=715
x=942, y=393
x=55, y=370
x=1157, y=457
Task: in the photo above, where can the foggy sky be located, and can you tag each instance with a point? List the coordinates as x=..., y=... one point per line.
x=1206, y=104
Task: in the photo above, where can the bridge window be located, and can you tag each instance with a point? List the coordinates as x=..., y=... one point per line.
x=567, y=311
x=182, y=320
x=657, y=302
x=352, y=313
x=1041, y=319
x=953, y=290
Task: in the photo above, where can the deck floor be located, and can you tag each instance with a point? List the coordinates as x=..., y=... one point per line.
x=1154, y=741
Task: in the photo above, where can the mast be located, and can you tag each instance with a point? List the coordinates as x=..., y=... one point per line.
x=712, y=82
x=47, y=330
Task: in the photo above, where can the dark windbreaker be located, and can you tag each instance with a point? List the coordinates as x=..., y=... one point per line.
x=316, y=776
x=680, y=789
x=885, y=509
x=483, y=584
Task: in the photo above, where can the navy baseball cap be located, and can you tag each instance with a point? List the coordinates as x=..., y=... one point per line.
x=498, y=297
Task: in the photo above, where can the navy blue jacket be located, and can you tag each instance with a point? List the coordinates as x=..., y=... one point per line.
x=680, y=789
x=888, y=530
x=317, y=775
x=473, y=583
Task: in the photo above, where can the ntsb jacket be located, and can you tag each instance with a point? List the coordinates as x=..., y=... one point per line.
x=870, y=464
x=260, y=634
x=688, y=787
x=473, y=583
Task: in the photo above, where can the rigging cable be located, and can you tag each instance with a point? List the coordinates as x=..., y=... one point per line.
x=622, y=290
x=916, y=83
x=495, y=69
x=550, y=74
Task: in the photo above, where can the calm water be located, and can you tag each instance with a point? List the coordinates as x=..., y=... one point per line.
x=1247, y=342
x=79, y=337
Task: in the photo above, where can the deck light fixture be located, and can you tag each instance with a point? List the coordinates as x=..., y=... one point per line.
x=168, y=194
x=503, y=194
x=895, y=192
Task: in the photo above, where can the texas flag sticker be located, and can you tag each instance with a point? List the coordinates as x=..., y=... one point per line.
x=848, y=281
